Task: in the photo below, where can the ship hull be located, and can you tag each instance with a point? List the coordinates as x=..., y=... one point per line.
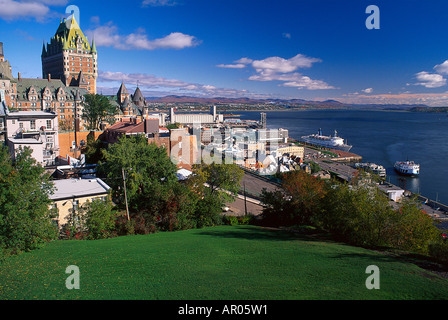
x=407, y=168
x=409, y=174
x=344, y=147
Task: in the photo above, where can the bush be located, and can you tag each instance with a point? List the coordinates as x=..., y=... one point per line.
x=240, y=220
x=99, y=218
x=439, y=251
x=230, y=220
x=25, y=218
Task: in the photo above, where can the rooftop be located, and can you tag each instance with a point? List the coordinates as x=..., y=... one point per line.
x=23, y=114
x=75, y=188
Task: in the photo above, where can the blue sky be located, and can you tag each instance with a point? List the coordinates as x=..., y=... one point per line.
x=313, y=50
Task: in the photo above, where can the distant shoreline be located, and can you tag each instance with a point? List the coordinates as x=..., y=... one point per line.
x=318, y=109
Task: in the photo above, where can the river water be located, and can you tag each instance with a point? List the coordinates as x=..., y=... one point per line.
x=382, y=137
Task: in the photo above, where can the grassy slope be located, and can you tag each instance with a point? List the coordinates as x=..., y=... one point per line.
x=225, y=262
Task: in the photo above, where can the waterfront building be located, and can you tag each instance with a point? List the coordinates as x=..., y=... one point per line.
x=192, y=118
x=292, y=150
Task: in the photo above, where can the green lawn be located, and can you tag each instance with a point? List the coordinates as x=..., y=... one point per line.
x=242, y=262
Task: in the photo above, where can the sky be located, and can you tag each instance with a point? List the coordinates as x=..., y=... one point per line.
x=285, y=49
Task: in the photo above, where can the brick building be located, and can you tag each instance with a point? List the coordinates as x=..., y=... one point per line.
x=70, y=58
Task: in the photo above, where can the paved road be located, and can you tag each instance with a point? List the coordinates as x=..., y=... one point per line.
x=254, y=185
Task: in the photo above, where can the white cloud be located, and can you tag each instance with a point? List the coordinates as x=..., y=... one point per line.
x=158, y=86
x=107, y=36
x=280, y=69
x=430, y=80
x=14, y=10
x=281, y=65
x=232, y=66
x=29, y=9
x=442, y=68
x=238, y=64
x=286, y=35
x=244, y=61
x=368, y=90
x=304, y=82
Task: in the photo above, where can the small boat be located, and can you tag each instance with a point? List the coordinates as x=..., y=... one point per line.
x=408, y=168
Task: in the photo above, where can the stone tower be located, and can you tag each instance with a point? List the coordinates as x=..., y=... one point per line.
x=70, y=57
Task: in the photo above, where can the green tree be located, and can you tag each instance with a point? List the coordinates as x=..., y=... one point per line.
x=99, y=218
x=362, y=215
x=94, y=150
x=174, y=126
x=97, y=108
x=214, y=185
x=152, y=188
x=297, y=203
x=25, y=215
x=145, y=166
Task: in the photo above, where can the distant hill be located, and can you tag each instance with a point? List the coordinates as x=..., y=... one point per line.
x=430, y=109
x=285, y=103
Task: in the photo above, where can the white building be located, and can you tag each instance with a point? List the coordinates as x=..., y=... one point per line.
x=37, y=130
x=196, y=118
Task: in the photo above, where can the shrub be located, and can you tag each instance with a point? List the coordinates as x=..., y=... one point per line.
x=99, y=218
x=238, y=220
x=439, y=251
x=231, y=220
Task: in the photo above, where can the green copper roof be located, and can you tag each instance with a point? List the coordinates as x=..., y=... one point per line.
x=70, y=32
x=93, y=46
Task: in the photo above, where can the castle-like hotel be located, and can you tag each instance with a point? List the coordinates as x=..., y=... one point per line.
x=69, y=72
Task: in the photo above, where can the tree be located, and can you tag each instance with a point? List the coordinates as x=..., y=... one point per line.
x=219, y=178
x=297, y=203
x=94, y=150
x=25, y=215
x=152, y=187
x=214, y=185
x=97, y=109
x=99, y=218
x=145, y=166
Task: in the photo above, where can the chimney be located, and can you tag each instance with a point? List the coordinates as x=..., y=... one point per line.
x=49, y=77
x=1, y=49
x=20, y=76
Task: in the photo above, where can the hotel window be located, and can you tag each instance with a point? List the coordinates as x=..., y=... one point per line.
x=33, y=124
x=21, y=125
x=48, y=124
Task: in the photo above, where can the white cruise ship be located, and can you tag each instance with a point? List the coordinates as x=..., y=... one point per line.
x=334, y=142
x=409, y=168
